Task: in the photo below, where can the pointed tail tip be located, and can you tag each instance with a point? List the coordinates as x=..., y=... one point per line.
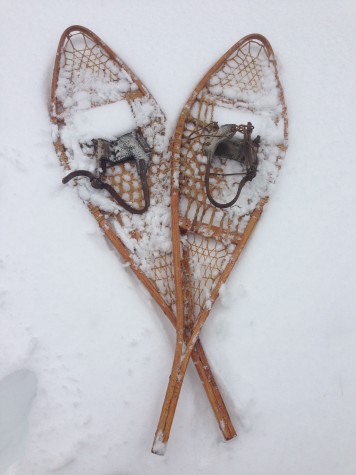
x=228, y=430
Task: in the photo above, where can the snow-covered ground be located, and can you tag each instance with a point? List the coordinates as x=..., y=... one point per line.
x=85, y=355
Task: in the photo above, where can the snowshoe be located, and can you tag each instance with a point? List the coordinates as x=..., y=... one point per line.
x=227, y=150
x=109, y=134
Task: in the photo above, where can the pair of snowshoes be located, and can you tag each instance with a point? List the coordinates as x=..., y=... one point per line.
x=179, y=217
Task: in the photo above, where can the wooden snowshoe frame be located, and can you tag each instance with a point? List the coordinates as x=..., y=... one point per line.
x=96, y=55
x=203, y=234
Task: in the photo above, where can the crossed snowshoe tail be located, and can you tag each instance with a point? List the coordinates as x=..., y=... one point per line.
x=218, y=196
x=109, y=136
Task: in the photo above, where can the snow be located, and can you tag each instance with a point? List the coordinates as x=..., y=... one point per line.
x=263, y=124
x=17, y=391
x=159, y=447
x=93, y=352
x=105, y=122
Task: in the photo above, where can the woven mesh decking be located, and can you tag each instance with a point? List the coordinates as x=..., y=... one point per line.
x=213, y=234
x=82, y=61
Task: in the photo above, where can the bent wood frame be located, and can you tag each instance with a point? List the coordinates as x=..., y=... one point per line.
x=181, y=357
x=198, y=355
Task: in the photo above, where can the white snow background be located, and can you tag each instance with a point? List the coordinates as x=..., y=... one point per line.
x=85, y=356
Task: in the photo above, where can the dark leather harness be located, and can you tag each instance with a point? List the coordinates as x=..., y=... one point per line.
x=108, y=154
x=222, y=145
